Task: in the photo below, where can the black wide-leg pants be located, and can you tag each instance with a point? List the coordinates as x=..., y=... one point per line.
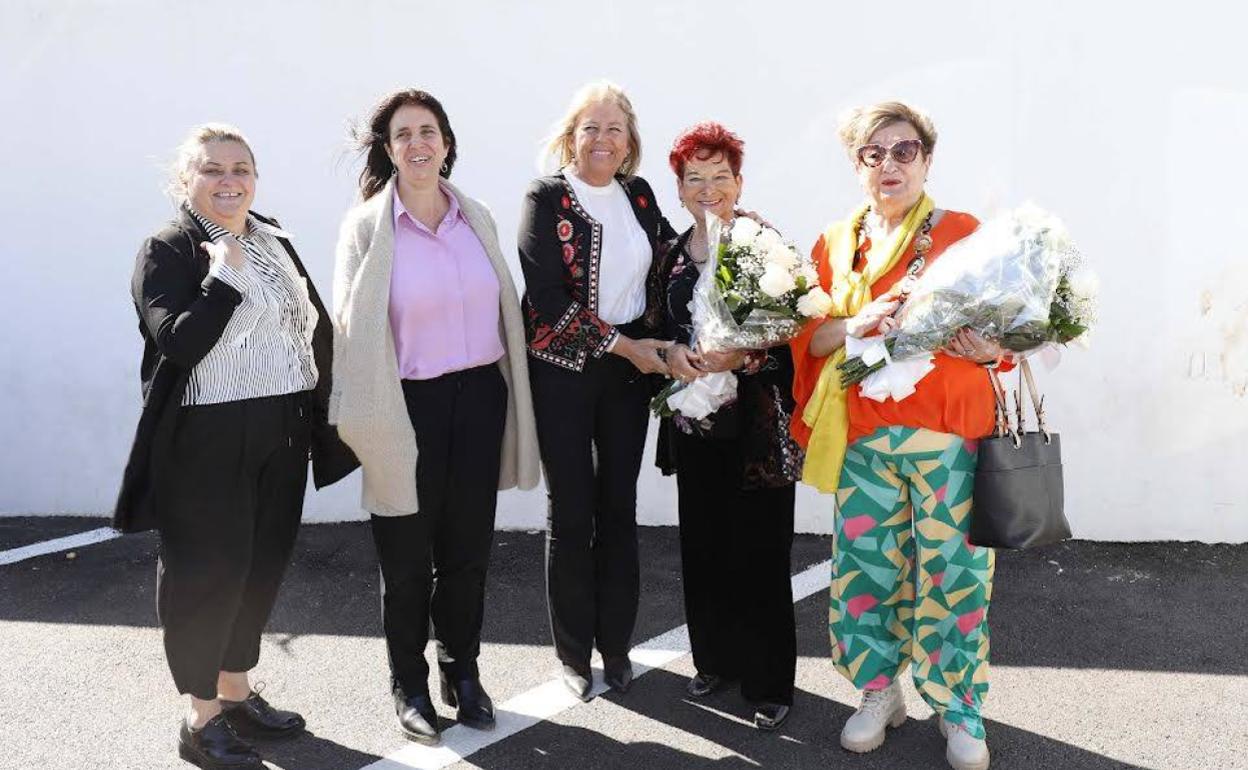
x=735, y=549
x=591, y=428
x=230, y=497
x=434, y=562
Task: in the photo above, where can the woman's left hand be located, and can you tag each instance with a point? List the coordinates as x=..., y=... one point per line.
x=973, y=346
x=737, y=211
x=722, y=360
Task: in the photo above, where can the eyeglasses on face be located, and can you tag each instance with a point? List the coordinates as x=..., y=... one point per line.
x=905, y=151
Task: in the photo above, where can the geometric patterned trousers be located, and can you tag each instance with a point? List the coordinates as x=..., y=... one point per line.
x=907, y=586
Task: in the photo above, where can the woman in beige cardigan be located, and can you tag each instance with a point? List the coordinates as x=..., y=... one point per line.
x=432, y=393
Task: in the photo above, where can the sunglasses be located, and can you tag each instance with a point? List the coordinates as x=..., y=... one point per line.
x=905, y=151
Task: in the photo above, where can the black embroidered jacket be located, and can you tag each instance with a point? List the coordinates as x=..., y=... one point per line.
x=560, y=254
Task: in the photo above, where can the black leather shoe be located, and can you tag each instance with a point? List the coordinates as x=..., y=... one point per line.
x=580, y=683
x=417, y=717
x=255, y=718
x=769, y=716
x=702, y=685
x=215, y=746
x=617, y=672
x=475, y=707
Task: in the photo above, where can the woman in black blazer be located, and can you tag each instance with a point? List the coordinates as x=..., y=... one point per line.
x=236, y=375
x=587, y=240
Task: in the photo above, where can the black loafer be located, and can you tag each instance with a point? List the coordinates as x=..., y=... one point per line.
x=580, y=683
x=475, y=707
x=702, y=685
x=769, y=716
x=417, y=717
x=617, y=672
x=215, y=746
x=255, y=718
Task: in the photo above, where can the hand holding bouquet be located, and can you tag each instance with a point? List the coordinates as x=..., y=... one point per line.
x=1017, y=280
x=754, y=291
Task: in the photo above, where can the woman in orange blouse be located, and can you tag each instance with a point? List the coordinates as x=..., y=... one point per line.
x=907, y=586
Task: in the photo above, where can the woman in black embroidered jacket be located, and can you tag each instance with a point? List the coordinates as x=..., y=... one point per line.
x=735, y=469
x=587, y=241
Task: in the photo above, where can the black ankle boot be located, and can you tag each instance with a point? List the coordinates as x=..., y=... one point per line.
x=475, y=707
x=617, y=672
x=581, y=683
x=417, y=717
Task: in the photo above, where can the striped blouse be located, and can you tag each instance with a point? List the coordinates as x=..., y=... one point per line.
x=266, y=348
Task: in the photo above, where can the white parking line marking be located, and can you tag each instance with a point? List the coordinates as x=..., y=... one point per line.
x=79, y=540
x=550, y=699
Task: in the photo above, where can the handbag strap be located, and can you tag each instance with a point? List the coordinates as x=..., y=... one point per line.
x=1037, y=400
x=1002, y=409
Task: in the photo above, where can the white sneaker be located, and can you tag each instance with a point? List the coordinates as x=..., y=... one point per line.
x=963, y=751
x=880, y=709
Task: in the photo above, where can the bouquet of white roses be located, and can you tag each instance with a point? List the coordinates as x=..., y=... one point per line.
x=1017, y=280
x=754, y=291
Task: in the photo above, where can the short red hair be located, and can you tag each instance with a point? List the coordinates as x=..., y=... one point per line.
x=704, y=141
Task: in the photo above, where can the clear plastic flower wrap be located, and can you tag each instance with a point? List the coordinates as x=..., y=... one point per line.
x=1017, y=280
x=754, y=291
x=750, y=293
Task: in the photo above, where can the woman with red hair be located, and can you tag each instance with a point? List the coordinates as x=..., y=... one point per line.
x=735, y=469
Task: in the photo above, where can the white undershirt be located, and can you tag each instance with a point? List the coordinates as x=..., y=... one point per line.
x=626, y=252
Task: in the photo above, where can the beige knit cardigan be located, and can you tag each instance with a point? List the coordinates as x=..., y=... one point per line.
x=366, y=402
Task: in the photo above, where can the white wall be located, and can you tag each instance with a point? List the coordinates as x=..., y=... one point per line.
x=1127, y=122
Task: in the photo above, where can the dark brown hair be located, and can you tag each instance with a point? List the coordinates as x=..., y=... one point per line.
x=371, y=139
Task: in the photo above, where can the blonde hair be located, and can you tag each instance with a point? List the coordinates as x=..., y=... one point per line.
x=560, y=145
x=860, y=123
x=189, y=150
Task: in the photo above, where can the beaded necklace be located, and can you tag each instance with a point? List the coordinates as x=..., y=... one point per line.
x=922, y=243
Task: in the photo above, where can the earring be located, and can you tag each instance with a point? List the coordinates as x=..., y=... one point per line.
x=445, y=169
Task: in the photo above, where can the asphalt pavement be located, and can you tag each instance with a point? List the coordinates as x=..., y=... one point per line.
x=1104, y=656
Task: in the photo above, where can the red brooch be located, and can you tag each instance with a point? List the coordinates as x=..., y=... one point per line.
x=569, y=253
x=564, y=230
x=566, y=202
x=643, y=202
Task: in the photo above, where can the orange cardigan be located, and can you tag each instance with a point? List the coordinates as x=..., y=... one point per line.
x=955, y=397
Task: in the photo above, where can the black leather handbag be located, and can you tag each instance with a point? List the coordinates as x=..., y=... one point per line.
x=1018, y=500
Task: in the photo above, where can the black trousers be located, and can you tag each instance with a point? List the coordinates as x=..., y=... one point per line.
x=591, y=427
x=229, y=506
x=735, y=547
x=433, y=562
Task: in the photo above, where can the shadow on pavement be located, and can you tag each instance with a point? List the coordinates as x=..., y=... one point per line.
x=1074, y=605
x=726, y=738
x=310, y=752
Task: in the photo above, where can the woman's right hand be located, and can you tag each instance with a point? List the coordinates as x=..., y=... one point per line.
x=684, y=363
x=871, y=316
x=227, y=250
x=643, y=354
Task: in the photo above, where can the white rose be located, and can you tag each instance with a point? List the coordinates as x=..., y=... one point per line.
x=815, y=303
x=744, y=231
x=768, y=239
x=776, y=282
x=783, y=256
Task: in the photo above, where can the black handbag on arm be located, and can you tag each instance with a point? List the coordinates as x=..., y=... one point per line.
x=1018, y=499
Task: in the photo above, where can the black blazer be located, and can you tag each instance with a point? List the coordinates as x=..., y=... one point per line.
x=182, y=313
x=560, y=250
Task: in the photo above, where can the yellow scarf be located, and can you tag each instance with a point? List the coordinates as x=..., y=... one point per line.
x=827, y=411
